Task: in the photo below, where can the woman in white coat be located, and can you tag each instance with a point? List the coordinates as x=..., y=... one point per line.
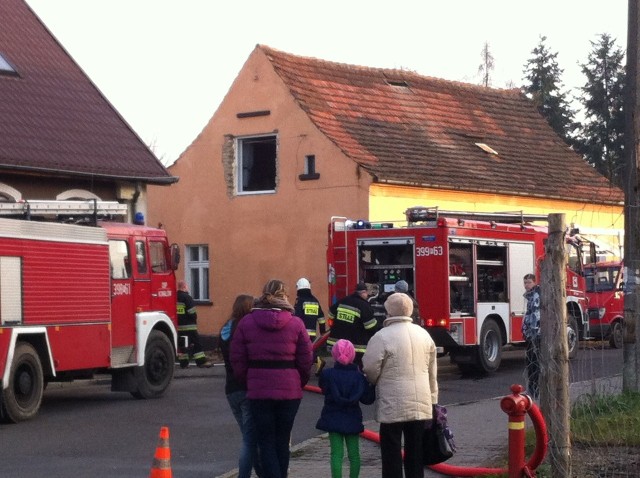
x=401, y=362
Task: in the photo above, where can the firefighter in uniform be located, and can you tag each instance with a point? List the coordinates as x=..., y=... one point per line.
x=188, y=340
x=352, y=318
x=309, y=310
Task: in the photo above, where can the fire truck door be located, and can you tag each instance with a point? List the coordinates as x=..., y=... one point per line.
x=521, y=262
x=122, y=305
x=162, y=298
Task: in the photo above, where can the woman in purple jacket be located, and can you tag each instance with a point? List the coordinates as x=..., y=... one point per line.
x=271, y=352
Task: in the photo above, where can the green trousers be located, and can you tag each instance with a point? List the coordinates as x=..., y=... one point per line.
x=337, y=454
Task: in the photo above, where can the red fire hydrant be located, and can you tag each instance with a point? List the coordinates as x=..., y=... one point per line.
x=516, y=406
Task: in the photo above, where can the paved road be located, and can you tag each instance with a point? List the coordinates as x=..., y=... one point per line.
x=85, y=430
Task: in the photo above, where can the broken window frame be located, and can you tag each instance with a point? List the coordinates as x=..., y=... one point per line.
x=244, y=147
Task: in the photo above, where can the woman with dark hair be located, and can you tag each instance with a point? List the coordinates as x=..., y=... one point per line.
x=272, y=354
x=237, y=392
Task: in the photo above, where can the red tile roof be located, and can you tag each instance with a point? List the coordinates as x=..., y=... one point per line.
x=52, y=117
x=414, y=130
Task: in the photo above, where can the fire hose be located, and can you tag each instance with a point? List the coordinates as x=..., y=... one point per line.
x=515, y=405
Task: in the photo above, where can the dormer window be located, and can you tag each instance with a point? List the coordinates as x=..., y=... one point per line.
x=6, y=68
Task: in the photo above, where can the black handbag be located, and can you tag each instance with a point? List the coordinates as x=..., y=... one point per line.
x=437, y=438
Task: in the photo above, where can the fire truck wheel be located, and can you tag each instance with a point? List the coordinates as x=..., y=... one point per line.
x=22, y=398
x=615, y=339
x=155, y=375
x=490, y=347
x=572, y=336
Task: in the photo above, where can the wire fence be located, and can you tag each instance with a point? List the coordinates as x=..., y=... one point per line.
x=603, y=432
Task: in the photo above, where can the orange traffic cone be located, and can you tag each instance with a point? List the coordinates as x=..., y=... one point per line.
x=161, y=466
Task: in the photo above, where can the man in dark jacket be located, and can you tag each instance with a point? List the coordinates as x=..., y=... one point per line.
x=188, y=337
x=308, y=308
x=352, y=319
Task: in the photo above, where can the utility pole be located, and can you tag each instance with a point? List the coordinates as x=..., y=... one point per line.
x=631, y=322
x=554, y=347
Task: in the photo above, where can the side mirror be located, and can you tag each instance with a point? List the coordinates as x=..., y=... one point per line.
x=175, y=256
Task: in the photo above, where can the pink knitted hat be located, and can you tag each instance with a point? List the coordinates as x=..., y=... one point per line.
x=343, y=352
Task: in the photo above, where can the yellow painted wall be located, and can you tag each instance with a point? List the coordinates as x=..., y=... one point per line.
x=605, y=223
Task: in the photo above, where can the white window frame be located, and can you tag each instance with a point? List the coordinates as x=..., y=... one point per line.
x=240, y=141
x=201, y=293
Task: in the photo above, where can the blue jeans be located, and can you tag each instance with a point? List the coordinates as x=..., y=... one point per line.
x=273, y=420
x=249, y=451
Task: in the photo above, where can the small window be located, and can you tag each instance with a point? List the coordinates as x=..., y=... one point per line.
x=310, y=164
x=256, y=164
x=309, y=168
x=197, y=271
x=158, y=256
x=141, y=257
x=486, y=148
x=119, y=259
x=6, y=68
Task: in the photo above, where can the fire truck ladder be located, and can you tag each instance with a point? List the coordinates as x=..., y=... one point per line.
x=423, y=214
x=85, y=208
x=341, y=263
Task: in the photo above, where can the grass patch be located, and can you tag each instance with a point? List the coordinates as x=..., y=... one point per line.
x=612, y=420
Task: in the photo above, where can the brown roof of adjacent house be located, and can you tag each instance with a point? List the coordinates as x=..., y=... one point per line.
x=410, y=129
x=53, y=119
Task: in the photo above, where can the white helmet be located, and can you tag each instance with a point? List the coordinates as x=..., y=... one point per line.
x=303, y=284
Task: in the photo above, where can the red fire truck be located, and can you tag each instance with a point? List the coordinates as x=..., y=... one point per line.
x=605, y=292
x=465, y=270
x=76, y=300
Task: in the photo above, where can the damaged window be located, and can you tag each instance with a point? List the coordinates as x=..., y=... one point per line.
x=256, y=164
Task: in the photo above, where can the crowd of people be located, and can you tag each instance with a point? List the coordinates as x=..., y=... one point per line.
x=380, y=357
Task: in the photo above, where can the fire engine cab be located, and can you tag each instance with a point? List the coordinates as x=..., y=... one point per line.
x=465, y=270
x=80, y=297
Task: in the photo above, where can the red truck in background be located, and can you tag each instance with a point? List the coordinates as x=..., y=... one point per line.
x=76, y=300
x=605, y=291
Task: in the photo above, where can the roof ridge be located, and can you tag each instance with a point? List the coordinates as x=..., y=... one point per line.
x=389, y=72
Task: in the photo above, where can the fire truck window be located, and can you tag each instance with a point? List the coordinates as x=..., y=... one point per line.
x=141, y=257
x=119, y=259
x=158, y=257
x=491, y=262
x=460, y=278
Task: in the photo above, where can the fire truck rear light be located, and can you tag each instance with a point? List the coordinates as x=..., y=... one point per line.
x=442, y=322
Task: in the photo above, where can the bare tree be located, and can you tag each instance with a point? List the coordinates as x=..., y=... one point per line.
x=486, y=67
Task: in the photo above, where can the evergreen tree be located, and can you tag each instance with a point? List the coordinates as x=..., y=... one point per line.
x=543, y=85
x=486, y=67
x=602, y=136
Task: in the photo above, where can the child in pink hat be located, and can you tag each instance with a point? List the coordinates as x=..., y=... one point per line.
x=344, y=388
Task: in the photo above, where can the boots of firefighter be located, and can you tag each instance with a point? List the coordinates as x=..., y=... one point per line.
x=201, y=360
x=320, y=363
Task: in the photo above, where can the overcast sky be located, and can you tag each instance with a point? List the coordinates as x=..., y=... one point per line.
x=166, y=65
